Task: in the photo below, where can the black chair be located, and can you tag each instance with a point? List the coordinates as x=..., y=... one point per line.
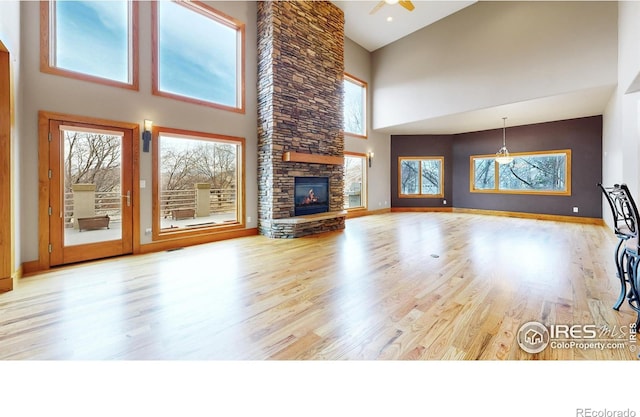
x=626, y=221
x=625, y=227
x=632, y=254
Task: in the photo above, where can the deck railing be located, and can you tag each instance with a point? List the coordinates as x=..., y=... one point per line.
x=221, y=200
x=108, y=203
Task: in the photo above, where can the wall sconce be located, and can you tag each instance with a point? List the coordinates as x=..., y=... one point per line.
x=146, y=135
x=370, y=158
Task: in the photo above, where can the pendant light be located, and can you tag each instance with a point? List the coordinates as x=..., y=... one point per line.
x=502, y=156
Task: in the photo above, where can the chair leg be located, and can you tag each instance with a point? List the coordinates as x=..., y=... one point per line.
x=633, y=297
x=634, y=284
x=620, y=261
x=634, y=294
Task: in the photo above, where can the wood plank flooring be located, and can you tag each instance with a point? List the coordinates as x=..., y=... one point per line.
x=392, y=286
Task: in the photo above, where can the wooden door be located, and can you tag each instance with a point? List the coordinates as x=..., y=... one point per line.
x=90, y=191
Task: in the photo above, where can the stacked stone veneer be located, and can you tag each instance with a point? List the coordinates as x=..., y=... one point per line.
x=300, y=108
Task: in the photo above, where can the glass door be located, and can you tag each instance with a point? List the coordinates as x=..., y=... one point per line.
x=90, y=192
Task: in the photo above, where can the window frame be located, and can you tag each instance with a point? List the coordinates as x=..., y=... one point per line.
x=421, y=158
x=163, y=234
x=363, y=84
x=365, y=182
x=497, y=190
x=219, y=17
x=47, y=44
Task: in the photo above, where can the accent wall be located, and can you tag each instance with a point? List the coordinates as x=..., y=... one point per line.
x=583, y=136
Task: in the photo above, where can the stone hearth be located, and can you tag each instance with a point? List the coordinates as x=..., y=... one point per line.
x=300, y=112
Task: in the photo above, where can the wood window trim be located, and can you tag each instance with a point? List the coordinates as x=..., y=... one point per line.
x=363, y=84
x=421, y=158
x=163, y=235
x=45, y=51
x=496, y=190
x=218, y=16
x=365, y=180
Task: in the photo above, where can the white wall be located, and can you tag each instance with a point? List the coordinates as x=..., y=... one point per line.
x=495, y=53
x=357, y=62
x=621, y=137
x=628, y=69
x=64, y=95
x=10, y=37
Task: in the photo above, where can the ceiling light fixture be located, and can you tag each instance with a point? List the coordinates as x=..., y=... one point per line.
x=390, y=19
x=502, y=156
x=391, y=1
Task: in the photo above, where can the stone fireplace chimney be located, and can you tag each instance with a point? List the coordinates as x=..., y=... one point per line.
x=300, y=112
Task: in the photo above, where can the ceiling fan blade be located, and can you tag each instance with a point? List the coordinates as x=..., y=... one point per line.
x=377, y=7
x=407, y=4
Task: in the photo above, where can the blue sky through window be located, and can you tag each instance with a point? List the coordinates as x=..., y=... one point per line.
x=197, y=55
x=92, y=37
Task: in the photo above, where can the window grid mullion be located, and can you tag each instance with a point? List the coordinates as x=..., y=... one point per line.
x=420, y=177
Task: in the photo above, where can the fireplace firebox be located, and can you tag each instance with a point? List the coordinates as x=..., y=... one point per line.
x=311, y=195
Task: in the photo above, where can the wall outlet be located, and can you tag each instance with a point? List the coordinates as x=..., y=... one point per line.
x=444, y=202
x=147, y=231
x=248, y=219
x=575, y=209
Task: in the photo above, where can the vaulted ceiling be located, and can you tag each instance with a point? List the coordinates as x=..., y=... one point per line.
x=386, y=39
x=391, y=21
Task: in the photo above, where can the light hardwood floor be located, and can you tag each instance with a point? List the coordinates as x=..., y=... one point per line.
x=391, y=286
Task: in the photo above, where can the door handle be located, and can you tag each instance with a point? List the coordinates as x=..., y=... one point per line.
x=128, y=197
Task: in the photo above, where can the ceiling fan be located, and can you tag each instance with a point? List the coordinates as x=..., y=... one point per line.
x=404, y=3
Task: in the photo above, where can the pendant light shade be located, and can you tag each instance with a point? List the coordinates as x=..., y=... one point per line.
x=502, y=156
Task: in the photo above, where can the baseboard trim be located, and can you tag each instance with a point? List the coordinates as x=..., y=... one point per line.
x=535, y=216
x=6, y=284
x=363, y=212
x=31, y=267
x=420, y=209
x=163, y=245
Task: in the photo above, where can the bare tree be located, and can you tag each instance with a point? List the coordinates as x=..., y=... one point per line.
x=353, y=179
x=92, y=158
x=353, y=173
x=207, y=162
x=184, y=163
x=409, y=177
x=176, y=169
x=484, y=173
x=537, y=172
x=354, y=107
x=216, y=164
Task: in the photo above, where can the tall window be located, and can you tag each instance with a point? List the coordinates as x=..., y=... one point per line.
x=355, y=106
x=91, y=40
x=531, y=172
x=197, y=181
x=355, y=180
x=421, y=177
x=198, y=54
